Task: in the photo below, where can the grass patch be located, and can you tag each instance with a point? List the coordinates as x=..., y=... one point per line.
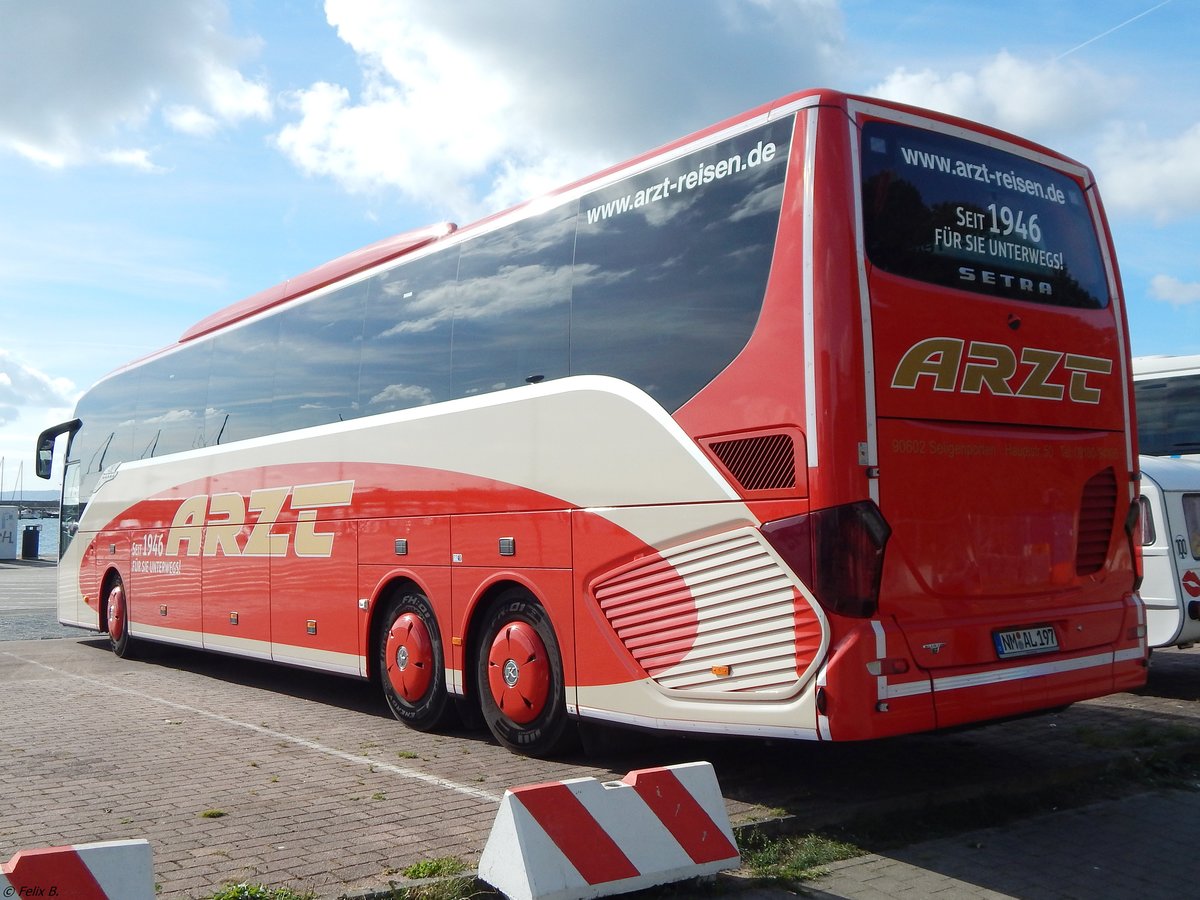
x=246, y=891
x=793, y=859
x=450, y=889
x=441, y=867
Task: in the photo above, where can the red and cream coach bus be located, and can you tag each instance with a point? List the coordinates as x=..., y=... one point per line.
x=814, y=424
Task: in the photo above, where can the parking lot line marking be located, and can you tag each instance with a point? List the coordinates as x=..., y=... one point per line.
x=378, y=766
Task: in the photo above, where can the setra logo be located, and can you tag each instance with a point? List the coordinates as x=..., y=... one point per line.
x=212, y=524
x=954, y=365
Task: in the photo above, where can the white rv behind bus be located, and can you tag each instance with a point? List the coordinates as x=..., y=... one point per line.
x=1171, y=550
x=1167, y=390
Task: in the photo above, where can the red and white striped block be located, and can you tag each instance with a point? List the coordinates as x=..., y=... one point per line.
x=568, y=840
x=112, y=870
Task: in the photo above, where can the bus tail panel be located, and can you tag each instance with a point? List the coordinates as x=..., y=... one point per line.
x=872, y=687
x=1039, y=682
x=1007, y=541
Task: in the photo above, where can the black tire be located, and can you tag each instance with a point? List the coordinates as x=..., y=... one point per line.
x=519, y=678
x=116, y=605
x=412, y=669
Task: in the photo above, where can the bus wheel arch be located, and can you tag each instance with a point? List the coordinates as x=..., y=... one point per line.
x=516, y=668
x=407, y=656
x=114, y=614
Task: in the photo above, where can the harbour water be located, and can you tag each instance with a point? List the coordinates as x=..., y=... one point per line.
x=47, y=536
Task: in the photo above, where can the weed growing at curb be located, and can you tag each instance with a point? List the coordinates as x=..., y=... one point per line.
x=246, y=891
x=793, y=859
x=452, y=889
x=435, y=868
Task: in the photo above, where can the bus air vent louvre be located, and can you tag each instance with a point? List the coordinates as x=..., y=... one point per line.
x=765, y=462
x=1097, y=513
x=714, y=606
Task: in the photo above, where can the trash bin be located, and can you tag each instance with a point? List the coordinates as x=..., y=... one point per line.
x=29, y=541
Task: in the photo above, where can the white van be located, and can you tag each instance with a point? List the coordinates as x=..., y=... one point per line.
x=1166, y=390
x=1170, y=525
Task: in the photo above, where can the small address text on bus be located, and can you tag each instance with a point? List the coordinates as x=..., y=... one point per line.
x=936, y=162
x=704, y=174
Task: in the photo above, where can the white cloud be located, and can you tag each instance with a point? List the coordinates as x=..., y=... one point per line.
x=82, y=79
x=190, y=120
x=473, y=105
x=1039, y=100
x=1171, y=290
x=21, y=385
x=1148, y=176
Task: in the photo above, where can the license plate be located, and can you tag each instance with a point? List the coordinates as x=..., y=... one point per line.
x=1025, y=641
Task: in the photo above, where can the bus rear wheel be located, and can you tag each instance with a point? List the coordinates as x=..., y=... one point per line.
x=519, y=677
x=411, y=662
x=119, y=638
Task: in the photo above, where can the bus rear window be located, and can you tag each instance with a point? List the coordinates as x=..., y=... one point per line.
x=960, y=214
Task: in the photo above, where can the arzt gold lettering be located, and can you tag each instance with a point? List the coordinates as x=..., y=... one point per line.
x=307, y=500
x=267, y=502
x=936, y=357
x=188, y=525
x=221, y=534
x=990, y=364
x=212, y=525
x=1037, y=383
x=1040, y=374
x=1080, y=367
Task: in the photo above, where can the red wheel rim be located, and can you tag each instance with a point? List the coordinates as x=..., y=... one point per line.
x=116, y=613
x=410, y=657
x=519, y=672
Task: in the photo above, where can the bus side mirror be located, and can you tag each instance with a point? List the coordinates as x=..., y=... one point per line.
x=45, y=446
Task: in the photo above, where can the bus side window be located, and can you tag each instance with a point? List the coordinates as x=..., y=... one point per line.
x=1191, y=516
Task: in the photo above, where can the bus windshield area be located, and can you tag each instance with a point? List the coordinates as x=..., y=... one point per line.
x=957, y=213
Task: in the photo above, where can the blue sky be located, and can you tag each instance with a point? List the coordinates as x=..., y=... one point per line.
x=161, y=160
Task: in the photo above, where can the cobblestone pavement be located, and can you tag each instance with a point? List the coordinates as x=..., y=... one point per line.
x=27, y=609
x=322, y=790
x=1128, y=849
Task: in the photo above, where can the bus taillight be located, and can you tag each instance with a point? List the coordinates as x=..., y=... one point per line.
x=838, y=553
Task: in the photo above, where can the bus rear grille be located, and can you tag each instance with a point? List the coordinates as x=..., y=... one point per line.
x=1097, y=512
x=717, y=616
x=763, y=463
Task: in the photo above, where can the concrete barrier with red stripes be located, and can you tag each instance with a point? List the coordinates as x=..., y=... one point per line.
x=585, y=838
x=112, y=870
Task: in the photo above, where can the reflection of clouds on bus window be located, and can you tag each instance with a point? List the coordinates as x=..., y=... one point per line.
x=419, y=311
x=590, y=275
x=400, y=396
x=172, y=416
x=659, y=215
x=524, y=288
x=764, y=200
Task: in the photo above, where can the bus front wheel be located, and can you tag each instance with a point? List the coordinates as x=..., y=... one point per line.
x=519, y=676
x=411, y=662
x=119, y=638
